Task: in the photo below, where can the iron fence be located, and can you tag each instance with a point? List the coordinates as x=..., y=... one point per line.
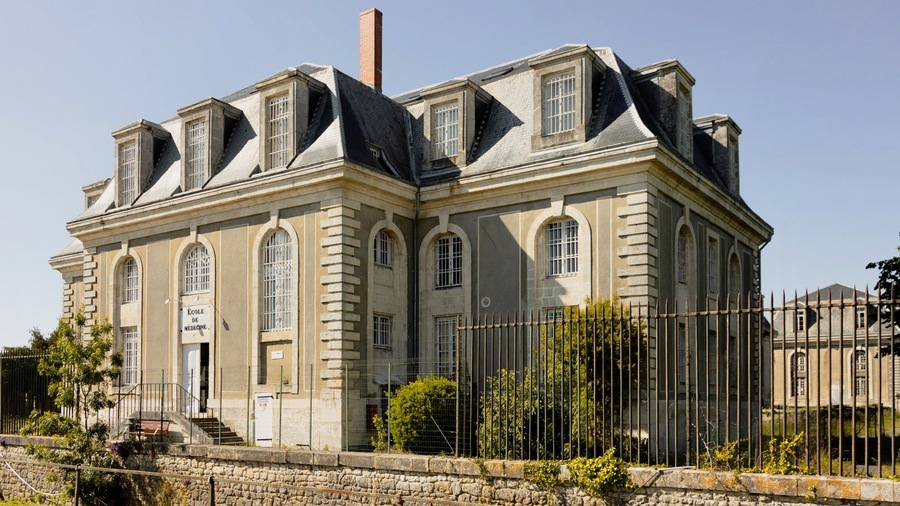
x=22, y=390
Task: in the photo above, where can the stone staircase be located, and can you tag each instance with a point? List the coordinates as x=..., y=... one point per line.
x=212, y=427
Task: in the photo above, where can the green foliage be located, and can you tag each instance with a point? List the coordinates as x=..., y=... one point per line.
x=420, y=417
x=80, y=370
x=554, y=409
x=730, y=456
x=784, y=456
x=888, y=287
x=543, y=473
x=600, y=475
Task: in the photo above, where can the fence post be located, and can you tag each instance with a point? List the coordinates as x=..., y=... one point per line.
x=221, y=415
x=389, y=409
x=346, y=444
x=191, y=401
x=162, y=395
x=77, y=480
x=212, y=491
x=248, y=406
x=310, y=404
x=280, y=401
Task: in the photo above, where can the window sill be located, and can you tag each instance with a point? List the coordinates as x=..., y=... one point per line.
x=447, y=287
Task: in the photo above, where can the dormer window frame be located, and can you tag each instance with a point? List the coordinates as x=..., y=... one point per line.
x=300, y=92
x=586, y=69
x=147, y=140
x=219, y=118
x=471, y=105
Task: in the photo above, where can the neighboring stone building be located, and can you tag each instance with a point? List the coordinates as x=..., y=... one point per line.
x=827, y=351
x=308, y=222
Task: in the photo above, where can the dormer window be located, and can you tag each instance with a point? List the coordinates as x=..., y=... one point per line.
x=565, y=86
x=195, y=155
x=453, y=112
x=558, y=104
x=207, y=125
x=137, y=147
x=278, y=120
x=445, y=130
x=127, y=172
x=287, y=101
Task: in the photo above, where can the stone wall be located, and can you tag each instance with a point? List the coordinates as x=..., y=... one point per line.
x=245, y=476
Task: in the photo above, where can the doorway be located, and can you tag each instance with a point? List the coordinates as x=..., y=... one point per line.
x=195, y=376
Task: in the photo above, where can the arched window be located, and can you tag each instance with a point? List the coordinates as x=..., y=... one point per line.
x=860, y=373
x=384, y=250
x=562, y=248
x=130, y=281
x=195, y=271
x=448, y=262
x=277, y=282
x=734, y=280
x=798, y=374
x=682, y=252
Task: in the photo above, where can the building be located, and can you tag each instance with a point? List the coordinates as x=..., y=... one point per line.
x=826, y=350
x=307, y=229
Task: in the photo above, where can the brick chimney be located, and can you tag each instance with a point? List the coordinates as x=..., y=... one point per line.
x=370, y=48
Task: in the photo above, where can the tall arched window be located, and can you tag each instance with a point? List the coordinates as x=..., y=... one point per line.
x=384, y=250
x=448, y=262
x=860, y=373
x=562, y=248
x=277, y=282
x=195, y=271
x=798, y=374
x=130, y=281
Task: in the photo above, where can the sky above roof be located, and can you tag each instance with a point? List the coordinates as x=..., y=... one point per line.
x=812, y=84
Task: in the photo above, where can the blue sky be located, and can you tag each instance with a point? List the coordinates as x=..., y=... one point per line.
x=813, y=85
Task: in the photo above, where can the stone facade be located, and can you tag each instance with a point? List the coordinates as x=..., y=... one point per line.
x=325, y=163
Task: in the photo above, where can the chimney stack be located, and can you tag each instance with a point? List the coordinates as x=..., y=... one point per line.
x=370, y=48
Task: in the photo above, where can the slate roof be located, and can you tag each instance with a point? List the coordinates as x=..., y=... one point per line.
x=352, y=118
x=834, y=293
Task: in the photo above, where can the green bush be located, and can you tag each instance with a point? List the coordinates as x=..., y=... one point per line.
x=785, y=456
x=601, y=475
x=420, y=418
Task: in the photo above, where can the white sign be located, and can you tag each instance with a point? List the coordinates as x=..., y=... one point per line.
x=195, y=319
x=276, y=355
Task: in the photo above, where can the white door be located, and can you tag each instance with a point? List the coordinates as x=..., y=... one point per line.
x=190, y=378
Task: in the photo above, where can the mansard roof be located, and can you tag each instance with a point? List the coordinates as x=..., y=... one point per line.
x=351, y=119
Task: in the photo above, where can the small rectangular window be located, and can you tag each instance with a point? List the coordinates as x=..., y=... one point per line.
x=382, y=326
x=861, y=320
x=448, y=260
x=195, y=155
x=278, y=145
x=558, y=103
x=445, y=130
x=685, y=122
x=128, y=172
x=445, y=339
x=130, y=356
x=800, y=322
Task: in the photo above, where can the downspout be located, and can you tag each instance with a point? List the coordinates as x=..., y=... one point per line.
x=413, y=346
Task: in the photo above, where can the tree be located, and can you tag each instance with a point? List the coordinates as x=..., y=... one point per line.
x=562, y=406
x=81, y=369
x=887, y=285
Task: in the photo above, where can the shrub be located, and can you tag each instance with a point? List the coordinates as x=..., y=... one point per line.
x=784, y=456
x=601, y=475
x=420, y=418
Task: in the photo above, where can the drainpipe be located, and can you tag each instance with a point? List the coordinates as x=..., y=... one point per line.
x=413, y=347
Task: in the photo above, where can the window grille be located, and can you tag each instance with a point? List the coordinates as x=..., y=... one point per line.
x=130, y=356
x=130, y=281
x=278, y=145
x=712, y=258
x=445, y=130
x=195, y=270
x=798, y=374
x=195, y=156
x=384, y=250
x=382, y=326
x=861, y=369
x=277, y=282
x=559, y=103
x=445, y=337
x=448, y=259
x=682, y=253
x=562, y=248
x=128, y=172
